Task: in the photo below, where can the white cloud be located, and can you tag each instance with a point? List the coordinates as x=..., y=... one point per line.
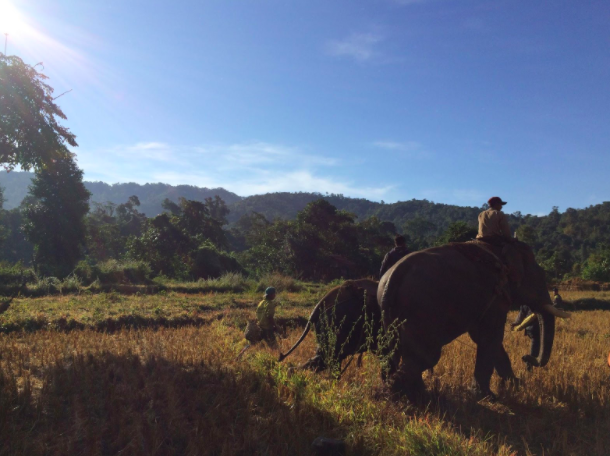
x=410, y=149
x=244, y=168
x=359, y=46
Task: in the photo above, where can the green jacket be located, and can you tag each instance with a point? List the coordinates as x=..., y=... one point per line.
x=265, y=313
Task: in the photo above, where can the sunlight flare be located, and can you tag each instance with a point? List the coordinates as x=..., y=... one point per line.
x=11, y=21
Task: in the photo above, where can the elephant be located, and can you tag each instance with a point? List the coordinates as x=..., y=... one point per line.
x=347, y=308
x=437, y=294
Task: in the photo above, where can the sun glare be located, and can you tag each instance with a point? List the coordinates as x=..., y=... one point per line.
x=10, y=19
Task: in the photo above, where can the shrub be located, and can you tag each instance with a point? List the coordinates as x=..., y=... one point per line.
x=114, y=272
x=229, y=281
x=15, y=275
x=209, y=262
x=279, y=281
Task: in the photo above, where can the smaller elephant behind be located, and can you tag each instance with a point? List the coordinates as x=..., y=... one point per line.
x=342, y=314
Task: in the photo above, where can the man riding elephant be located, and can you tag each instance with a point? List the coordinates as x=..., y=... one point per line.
x=437, y=294
x=493, y=223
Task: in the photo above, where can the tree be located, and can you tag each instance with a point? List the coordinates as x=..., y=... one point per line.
x=597, y=266
x=55, y=218
x=30, y=134
x=527, y=234
x=457, y=232
x=186, y=241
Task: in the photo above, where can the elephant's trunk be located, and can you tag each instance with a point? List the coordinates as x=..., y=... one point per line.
x=307, y=328
x=547, y=335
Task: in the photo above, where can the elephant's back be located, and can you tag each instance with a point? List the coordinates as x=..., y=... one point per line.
x=439, y=277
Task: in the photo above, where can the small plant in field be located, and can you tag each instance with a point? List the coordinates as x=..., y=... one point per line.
x=385, y=344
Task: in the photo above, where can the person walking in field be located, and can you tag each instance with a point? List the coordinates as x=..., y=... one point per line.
x=493, y=223
x=265, y=315
x=391, y=258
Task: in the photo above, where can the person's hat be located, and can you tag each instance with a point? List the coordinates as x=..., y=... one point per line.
x=269, y=291
x=495, y=200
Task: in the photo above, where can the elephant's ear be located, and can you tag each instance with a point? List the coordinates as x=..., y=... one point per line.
x=514, y=261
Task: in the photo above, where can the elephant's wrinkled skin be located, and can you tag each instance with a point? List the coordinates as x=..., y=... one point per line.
x=347, y=307
x=439, y=293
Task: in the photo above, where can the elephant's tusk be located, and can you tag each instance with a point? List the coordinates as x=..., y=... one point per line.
x=525, y=322
x=555, y=311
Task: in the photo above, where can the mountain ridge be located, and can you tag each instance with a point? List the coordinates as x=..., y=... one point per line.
x=284, y=205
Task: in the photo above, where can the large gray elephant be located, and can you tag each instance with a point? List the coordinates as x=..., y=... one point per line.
x=437, y=294
x=344, y=310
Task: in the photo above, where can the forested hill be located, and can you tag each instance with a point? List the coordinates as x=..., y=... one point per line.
x=272, y=205
x=436, y=216
x=15, y=185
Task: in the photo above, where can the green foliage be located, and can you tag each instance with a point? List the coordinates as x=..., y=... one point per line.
x=187, y=242
x=419, y=233
x=15, y=248
x=527, y=234
x=114, y=272
x=30, y=134
x=323, y=243
x=208, y=261
x=457, y=232
x=13, y=275
x=278, y=281
x=54, y=218
x=109, y=227
x=597, y=266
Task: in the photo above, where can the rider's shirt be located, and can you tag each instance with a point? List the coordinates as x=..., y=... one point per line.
x=493, y=223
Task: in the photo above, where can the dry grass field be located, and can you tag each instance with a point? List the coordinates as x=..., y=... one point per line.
x=166, y=381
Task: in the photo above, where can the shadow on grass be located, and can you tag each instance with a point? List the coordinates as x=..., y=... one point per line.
x=111, y=404
x=586, y=304
x=550, y=427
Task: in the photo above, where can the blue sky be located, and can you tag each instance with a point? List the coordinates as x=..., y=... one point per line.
x=452, y=101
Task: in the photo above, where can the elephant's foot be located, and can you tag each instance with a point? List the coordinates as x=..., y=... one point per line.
x=481, y=393
x=411, y=386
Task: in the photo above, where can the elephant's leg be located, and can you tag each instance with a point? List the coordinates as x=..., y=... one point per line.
x=483, y=369
x=488, y=336
x=419, y=353
x=503, y=365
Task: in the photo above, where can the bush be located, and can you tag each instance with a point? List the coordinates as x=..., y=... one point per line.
x=114, y=272
x=15, y=275
x=597, y=266
x=229, y=281
x=279, y=281
x=209, y=262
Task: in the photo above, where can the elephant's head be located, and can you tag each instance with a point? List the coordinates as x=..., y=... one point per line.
x=527, y=285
